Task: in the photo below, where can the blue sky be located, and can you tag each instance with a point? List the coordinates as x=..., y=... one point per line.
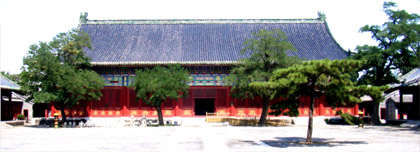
x=25, y=22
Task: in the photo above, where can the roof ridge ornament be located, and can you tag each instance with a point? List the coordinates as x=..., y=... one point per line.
x=83, y=17
x=321, y=16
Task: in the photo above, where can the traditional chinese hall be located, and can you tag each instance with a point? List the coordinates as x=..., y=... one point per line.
x=207, y=48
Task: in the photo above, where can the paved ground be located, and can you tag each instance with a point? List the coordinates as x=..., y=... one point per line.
x=210, y=137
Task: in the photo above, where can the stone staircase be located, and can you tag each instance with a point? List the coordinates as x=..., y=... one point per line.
x=193, y=122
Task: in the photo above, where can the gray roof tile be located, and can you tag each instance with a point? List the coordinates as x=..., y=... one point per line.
x=8, y=84
x=199, y=41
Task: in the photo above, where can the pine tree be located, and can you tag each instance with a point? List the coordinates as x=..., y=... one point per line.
x=314, y=79
x=267, y=53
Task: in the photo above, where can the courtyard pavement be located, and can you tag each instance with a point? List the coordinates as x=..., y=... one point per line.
x=211, y=137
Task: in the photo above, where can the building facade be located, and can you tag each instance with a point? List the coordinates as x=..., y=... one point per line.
x=207, y=48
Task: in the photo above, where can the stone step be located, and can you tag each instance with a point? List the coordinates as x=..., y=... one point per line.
x=193, y=121
x=5, y=125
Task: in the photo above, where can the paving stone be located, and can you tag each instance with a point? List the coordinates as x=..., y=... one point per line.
x=210, y=137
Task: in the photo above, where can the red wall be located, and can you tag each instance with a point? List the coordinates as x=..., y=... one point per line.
x=10, y=110
x=121, y=102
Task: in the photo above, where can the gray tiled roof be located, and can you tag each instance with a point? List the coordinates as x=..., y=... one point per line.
x=8, y=84
x=136, y=42
x=412, y=78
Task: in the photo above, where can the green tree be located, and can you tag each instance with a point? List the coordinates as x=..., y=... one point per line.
x=398, y=49
x=267, y=53
x=314, y=79
x=157, y=85
x=58, y=72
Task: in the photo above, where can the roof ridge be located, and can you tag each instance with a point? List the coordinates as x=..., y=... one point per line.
x=200, y=21
x=408, y=74
x=166, y=62
x=10, y=81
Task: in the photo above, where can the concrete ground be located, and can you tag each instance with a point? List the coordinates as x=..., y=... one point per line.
x=210, y=137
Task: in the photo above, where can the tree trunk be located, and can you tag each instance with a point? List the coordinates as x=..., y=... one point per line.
x=375, y=114
x=263, y=118
x=160, y=116
x=310, y=122
x=63, y=114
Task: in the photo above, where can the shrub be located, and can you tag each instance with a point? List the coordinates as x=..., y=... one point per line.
x=339, y=112
x=20, y=117
x=351, y=120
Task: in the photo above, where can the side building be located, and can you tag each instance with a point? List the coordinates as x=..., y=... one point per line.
x=207, y=48
x=12, y=102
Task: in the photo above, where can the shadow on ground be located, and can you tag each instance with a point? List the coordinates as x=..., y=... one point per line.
x=415, y=130
x=283, y=142
x=239, y=144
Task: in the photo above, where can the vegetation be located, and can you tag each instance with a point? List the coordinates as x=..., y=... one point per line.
x=267, y=53
x=157, y=85
x=314, y=79
x=348, y=118
x=58, y=72
x=20, y=117
x=398, y=49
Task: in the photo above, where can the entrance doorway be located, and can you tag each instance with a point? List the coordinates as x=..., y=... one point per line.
x=203, y=105
x=25, y=113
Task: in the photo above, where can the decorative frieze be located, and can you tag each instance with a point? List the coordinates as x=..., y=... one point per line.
x=196, y=79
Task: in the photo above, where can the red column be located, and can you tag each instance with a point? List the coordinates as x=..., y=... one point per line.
x=46, y=113
x=321, y=109
x=88, y=109
x=125, y=100
x=356, y=109
x=53, y=110
x=180, y=110
x=232, y=110
x=230, y=102
x=176, y=109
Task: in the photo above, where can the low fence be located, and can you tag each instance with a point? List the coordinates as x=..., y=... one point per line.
x=244, y=120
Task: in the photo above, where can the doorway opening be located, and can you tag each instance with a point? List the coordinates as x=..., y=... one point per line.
x=25, y=113
x=204, y=105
